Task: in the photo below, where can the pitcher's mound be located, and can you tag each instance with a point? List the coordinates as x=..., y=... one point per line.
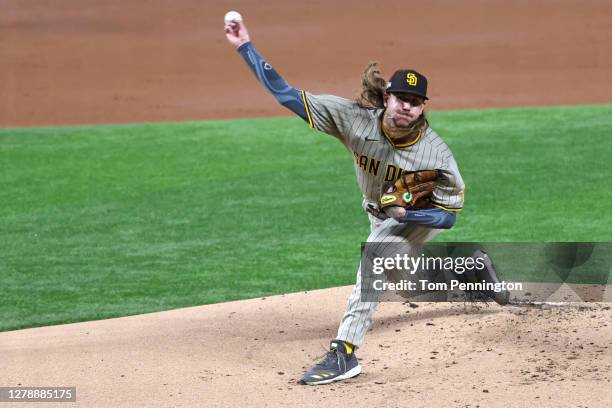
x=253, y=352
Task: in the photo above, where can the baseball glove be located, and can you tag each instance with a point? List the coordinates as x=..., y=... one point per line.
x=411, y=191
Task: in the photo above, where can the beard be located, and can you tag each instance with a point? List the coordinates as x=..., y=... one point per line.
x=403, y=121
x=401, y=127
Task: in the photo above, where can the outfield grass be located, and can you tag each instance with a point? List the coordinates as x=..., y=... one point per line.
x=103, y=221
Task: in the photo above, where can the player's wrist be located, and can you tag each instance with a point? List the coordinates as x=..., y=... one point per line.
x=241, y=46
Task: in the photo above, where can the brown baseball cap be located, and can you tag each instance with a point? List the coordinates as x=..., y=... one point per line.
x=408, y=81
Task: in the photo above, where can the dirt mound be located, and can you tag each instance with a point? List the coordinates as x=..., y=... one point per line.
x=220, y=355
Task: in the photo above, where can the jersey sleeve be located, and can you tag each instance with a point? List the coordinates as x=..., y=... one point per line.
x=330, y=114
x=448, y=195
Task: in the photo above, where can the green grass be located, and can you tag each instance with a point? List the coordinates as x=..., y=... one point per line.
x=105, y=221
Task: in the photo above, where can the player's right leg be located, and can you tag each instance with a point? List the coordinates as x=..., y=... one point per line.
x=489, y=275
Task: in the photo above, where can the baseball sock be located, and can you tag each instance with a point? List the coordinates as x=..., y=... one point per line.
x=349, y=347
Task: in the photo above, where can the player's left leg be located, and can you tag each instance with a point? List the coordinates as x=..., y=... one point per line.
x=384, y=242
x=340, y=362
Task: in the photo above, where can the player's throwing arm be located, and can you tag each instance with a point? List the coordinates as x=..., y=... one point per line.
x=238, y=36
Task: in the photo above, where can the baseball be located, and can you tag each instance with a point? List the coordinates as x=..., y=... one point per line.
x=232, y=16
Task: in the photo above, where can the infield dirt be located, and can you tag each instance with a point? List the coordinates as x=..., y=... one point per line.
x=252, y=352
x=108, y=61
x=73, y=62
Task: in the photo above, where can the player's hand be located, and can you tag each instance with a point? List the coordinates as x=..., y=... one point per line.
x=395, y=212
x=236, y=33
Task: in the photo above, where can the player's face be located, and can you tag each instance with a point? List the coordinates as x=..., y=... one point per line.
x=403, y=109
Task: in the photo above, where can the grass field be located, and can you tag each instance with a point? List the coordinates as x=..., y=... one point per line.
x=113, y=220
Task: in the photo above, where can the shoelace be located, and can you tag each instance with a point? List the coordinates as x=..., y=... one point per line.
x=331, y=356
x=327, y=357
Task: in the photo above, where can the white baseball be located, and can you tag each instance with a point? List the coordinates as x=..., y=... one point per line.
x=232, y=16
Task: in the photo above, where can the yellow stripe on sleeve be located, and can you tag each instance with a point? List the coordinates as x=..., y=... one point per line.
x=447, y=209
x=307, y=110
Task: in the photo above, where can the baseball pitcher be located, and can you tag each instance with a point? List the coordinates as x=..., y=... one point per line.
x=386, y=131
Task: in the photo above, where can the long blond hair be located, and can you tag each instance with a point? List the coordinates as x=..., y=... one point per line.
x=372, y=87
x=372, y=93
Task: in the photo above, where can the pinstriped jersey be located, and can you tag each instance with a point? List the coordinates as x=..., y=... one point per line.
x=376, y=159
